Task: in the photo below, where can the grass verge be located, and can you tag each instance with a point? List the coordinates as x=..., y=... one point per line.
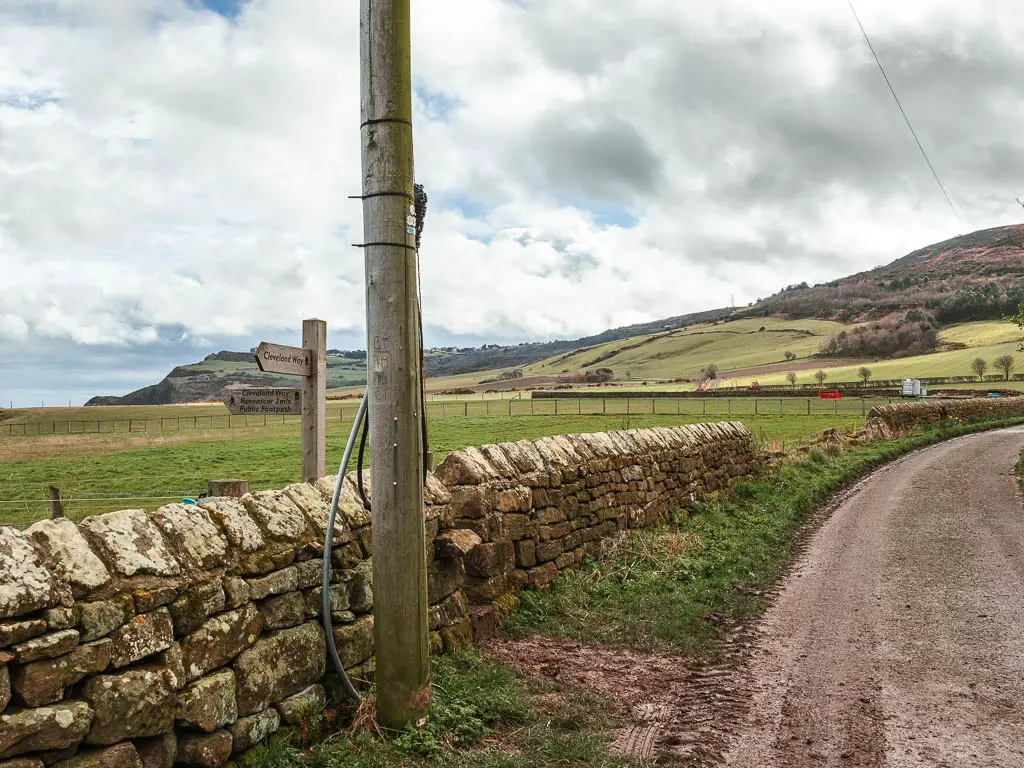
x=678, y=588
x=482, y=716
x=1020, y=471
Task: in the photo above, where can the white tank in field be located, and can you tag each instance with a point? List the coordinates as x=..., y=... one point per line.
x=912, y=388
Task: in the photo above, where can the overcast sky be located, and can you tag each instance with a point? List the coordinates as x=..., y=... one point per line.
x=174, y=176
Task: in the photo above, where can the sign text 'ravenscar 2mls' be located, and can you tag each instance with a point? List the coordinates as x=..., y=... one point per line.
x=271, y=401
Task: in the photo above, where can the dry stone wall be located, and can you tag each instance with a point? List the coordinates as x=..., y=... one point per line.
x=187, y=634
x=900, y=418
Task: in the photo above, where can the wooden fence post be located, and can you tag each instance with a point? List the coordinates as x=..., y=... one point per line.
x=56, y=504
x=234, y=488
x=314, y=402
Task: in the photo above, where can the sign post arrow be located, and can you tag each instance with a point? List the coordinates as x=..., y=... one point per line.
x=277, y=358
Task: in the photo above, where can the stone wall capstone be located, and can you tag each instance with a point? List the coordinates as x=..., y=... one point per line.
x=192, y=632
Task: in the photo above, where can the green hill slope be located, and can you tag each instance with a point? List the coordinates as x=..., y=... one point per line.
x=739, y=344
x=987, y=340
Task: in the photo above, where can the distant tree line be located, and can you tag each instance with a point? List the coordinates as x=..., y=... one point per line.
x=353, y=354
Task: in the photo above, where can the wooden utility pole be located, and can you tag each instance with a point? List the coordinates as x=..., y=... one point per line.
x=396, y=461
x=314, y=402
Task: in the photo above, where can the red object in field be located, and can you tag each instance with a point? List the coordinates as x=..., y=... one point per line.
x=829, y=394
x=754, y=386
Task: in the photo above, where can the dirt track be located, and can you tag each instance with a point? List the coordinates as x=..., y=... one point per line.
x=898, y=639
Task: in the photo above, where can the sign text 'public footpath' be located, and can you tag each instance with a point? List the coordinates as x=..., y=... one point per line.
x=270, y=401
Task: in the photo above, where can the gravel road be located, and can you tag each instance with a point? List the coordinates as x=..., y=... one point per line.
x=898, y=638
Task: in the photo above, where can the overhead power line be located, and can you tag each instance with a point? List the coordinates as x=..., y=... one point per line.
x=903, y=111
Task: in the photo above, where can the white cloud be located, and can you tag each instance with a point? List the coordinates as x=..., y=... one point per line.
x=164, y=167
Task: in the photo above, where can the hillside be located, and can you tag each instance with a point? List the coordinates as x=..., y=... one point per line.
x=959, y=346
x=452, y=362
x=972, y=277
x=738, y=344
x=969, y=278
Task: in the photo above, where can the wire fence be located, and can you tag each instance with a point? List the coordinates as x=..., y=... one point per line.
x=718, y=406
x=28, y=502
x=94, y=486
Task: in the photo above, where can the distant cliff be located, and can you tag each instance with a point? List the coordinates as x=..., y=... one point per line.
x=223, y=371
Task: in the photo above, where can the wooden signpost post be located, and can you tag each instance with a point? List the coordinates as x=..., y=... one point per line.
x=310, y=362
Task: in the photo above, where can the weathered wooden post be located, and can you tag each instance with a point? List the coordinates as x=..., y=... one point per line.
x=234, y=488
x=314, y=402
x=56, y=504
x=393, y=366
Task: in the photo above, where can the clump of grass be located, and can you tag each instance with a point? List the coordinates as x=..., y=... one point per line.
x=469, y=699
x=1020, y=470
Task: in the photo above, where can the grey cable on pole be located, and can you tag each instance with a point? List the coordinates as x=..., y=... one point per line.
x=325, y=581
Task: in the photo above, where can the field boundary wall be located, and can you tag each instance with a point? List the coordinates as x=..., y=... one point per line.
x=900, y=418
x=192, y=632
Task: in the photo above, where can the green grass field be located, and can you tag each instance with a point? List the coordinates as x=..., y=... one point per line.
x=166, y=419
x=953, y=363
x=100, y=473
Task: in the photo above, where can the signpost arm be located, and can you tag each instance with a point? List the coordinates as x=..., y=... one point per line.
x=314, y=402
x=389, y=235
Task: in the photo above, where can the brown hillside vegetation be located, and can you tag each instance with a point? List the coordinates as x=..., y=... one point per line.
x=977, y=276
